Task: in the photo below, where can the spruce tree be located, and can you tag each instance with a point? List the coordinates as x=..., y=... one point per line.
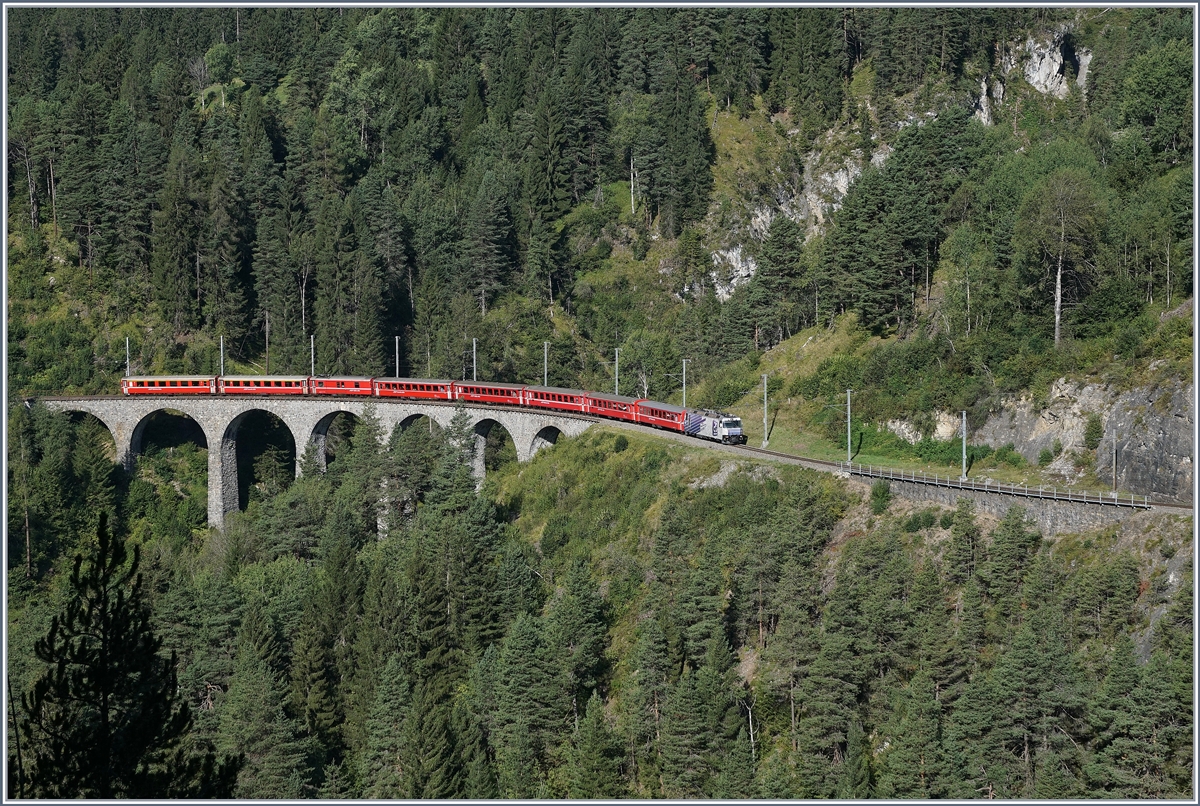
x=380, y=771
x=1013, y=544
x=912, y=765
x=594, y=762
x=686, y=737
x=575, y=628
x=857, y=778
x=105, y=720
x=281, y=762
x=963, y=553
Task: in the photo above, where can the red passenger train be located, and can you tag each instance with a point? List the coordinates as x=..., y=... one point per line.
x=696, y=422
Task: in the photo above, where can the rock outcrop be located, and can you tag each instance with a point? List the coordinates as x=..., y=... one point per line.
x=1153, y=429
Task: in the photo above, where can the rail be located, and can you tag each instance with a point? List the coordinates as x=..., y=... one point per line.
x=988, y=486
x=870, y=471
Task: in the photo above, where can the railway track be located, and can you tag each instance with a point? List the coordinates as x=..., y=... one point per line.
x=1042, y=493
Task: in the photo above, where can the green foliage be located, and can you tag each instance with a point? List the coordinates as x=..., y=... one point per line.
x=105, y=718
x=881, y=496
x=924, y=519
x=1093, y=432
x=521, y=176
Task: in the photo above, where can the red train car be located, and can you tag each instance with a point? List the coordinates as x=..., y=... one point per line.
x=341, y=386
x=263, y=385
x=617, y=407
x=552, y=397
x=414, y=388
x=169, y=385
x=511, y=394
x=661, y=415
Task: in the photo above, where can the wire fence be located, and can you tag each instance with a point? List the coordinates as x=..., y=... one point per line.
x=988, y=486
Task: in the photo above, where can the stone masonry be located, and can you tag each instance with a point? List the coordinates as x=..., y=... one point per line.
x=308, y=419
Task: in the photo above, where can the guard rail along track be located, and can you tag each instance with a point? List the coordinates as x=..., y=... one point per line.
x=1020, y=491
x=1129, y=501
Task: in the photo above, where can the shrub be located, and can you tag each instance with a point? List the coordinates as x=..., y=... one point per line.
x=920, y=520
x=555, y=535
x=620, y=444
x=1008, y=455
x=729, y=393
x=881, y=496
x=1045, y=457
x=947, y=520
x=1093, y=432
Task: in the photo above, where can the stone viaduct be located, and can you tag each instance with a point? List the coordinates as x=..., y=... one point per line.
x=308, y=419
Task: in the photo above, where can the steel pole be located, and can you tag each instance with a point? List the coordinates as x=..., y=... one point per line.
x=617, y=372
x=127, y=356
x=312, y=355
x=545, y=363
x=474, y=375
x=685, y=383
x=397, y=356
x=764, y=377
x=222, y=355
x=847, y=426
x=964, y=475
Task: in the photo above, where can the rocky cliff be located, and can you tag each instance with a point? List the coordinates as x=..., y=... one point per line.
x=1153, y=429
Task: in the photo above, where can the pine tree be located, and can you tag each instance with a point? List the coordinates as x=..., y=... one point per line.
x=594, y=764
x=475, y=750
x=487, y=242
x=974, y=748
x=827, y=693
x=857, y=778
x=646, y=700
x=431, y=753
x=380, y=771
x=174, y=242
x=912, y=766
x=281, y=762
x=736, y=779
x=530, y=708
x=105, y=719
x=963, y=553
x=686, y=737
x=575, y=631
x=1013, y=545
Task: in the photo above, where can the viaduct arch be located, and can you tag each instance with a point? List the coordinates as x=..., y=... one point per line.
x=308, y=419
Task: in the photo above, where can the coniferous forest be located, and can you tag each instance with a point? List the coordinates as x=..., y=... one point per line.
x=621, y=616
